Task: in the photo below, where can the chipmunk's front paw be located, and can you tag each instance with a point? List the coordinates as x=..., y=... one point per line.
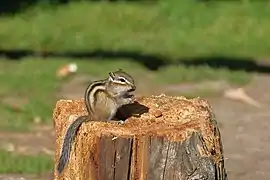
x=120, y=122
x=130, y=100
x=127, y=101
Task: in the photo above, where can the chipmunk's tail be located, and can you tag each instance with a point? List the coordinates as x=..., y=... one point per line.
x=68, y=140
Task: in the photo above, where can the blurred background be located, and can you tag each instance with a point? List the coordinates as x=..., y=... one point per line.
x=217, y=50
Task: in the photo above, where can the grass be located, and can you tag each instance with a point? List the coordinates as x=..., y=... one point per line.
x=33, y=81
x=12, y=163
x=175, y=74
x=171, y=28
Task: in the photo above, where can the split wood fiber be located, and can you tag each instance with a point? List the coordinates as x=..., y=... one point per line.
x=166, y=138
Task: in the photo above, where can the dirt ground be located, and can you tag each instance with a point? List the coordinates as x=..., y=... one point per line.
x=244, y=132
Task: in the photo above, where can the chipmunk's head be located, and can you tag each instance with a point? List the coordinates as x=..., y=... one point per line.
x=121, y=84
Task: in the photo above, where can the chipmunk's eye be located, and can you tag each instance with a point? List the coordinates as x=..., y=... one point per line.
x=122, y=79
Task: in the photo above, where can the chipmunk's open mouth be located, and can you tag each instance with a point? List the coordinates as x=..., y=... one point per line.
x=129, y=94
x=131, y=90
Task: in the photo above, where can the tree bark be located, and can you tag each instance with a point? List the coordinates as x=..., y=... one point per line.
x=163, y=138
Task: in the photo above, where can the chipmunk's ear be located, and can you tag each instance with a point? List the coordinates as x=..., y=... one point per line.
x=111, y=75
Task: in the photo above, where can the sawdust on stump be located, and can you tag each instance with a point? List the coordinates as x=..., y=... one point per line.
x=173, y=138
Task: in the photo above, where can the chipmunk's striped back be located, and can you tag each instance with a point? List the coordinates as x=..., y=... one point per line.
x=90, y=94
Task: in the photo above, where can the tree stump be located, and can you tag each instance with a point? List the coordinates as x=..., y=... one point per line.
x=166, y=138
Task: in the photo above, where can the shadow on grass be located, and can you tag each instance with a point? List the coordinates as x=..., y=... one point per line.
x=150, y=61
x=8, y=7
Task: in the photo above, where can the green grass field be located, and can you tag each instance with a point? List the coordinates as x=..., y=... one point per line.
x=170, y=29
x=25, y=164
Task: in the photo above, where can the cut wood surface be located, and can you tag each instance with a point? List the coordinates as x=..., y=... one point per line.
x=163, y=138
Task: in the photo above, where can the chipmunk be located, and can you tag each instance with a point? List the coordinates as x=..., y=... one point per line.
x=102, y=99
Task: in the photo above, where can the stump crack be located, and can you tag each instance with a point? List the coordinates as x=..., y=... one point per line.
x=166, y=160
